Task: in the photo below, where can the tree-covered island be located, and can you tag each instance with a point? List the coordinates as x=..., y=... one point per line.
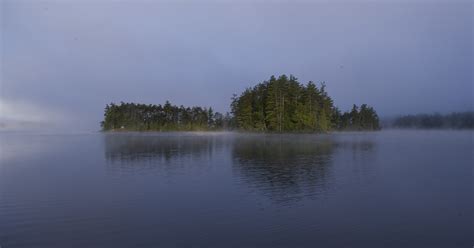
x=278, y=105
x=167, y=117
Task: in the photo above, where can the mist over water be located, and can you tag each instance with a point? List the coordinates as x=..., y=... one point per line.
x=376, y=189
x=65, y=184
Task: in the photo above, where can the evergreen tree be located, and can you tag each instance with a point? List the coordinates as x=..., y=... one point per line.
x=278, y=105
x=142, y=117
x=283, y=104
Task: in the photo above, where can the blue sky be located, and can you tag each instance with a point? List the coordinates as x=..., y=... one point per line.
x=69, y=58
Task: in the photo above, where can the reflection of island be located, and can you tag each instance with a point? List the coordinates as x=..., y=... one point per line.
x=285, y=168
x=134, y=151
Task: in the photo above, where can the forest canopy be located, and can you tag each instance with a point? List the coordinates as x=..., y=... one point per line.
x=285, y=105
x=167, y=117
x=278, y=105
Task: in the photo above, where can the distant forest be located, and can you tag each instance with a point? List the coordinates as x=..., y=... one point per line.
x=276, y=105
x=463, y=120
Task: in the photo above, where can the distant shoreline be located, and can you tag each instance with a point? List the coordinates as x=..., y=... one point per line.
x=236, y=131
x=455, y=120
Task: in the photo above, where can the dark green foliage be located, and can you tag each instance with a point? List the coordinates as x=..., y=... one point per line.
x=278, y=105
x=142, y=117
x=358, y=119
x=464, y=120
x=283, y=104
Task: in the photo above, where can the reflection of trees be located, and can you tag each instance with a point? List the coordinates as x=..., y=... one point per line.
x=285, y=168
x=359, y=146
x=128, y=150
x=358, y=154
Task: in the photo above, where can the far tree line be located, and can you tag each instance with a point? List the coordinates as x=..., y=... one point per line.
x=278, y=105
x=462, y=120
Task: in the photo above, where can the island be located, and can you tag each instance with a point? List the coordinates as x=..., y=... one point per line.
x=276, y=105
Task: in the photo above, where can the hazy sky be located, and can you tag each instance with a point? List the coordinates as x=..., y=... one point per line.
x=68, y=58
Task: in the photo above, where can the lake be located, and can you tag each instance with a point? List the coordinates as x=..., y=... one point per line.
x=370, y=189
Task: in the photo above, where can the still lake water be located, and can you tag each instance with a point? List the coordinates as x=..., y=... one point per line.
x=377, y=189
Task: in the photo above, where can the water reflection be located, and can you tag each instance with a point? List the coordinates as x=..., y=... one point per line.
x=358, y=153
x=285, y=168
x=151, y=151
x=142, y=147
x=293, y=190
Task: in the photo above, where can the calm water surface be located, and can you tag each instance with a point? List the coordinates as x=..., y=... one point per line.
x=381, y=189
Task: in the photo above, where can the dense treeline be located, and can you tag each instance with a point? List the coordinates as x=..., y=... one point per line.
x=463, y=120
x=276, y=105
x=167, y=117
x=283, y=104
